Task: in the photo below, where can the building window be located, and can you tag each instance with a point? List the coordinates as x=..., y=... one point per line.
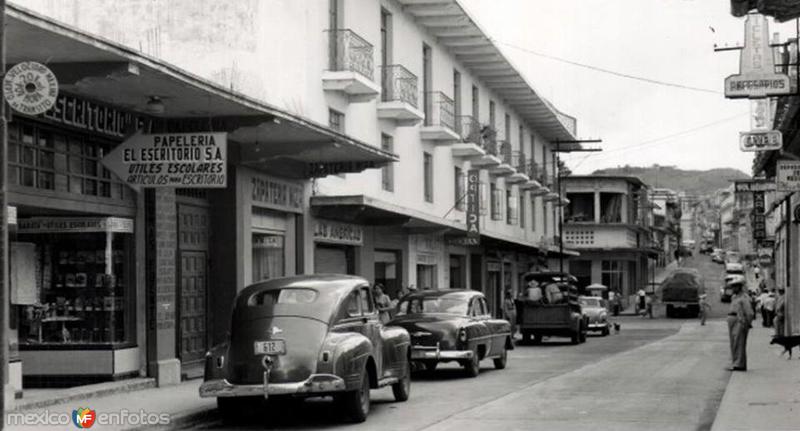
x=476, y=111
x=534, y=208
x=522, y=209
x=427, y=83
x=51, y=160
x=580, y=208
x=507, y=127
x=336, y=120
x=522, y=142
x=612, y=273
x=428, y=176
x=611, y=207
x=496, y=201
x=457, y=96
x=267, y=257
x=387, y=172
x=511, y=208
x=492, y=118
x=460, y=189
x=545, y=229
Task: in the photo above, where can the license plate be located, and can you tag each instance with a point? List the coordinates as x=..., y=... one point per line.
x=272, y=347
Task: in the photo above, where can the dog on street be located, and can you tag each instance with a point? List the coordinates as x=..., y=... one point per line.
x=788, y=343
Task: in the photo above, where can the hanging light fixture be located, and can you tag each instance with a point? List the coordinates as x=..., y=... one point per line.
x=155, y=105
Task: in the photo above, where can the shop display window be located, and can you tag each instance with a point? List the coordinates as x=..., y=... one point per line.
x=268, y=255
x=83, y=292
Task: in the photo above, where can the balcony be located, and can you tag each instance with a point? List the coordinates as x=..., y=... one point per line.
x=583, y=236
x=532, y=171
x=399, y=98
x=520, y=174
x=352, y=67
x=440, y=121
x=506, y=160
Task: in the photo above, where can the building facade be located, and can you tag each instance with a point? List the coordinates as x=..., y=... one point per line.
x=353, y=127
x=608, y=221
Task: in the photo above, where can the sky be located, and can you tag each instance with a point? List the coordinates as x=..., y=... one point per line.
x=640, y=123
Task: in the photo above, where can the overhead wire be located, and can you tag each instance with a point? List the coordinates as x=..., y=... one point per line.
x=608, y=71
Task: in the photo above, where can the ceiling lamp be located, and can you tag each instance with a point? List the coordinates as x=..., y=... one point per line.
x=155, y=105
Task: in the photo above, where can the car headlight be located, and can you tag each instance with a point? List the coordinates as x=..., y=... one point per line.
x=462, y=335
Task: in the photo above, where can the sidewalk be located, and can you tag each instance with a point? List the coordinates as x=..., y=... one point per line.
x=182, y=403
x=767, y=396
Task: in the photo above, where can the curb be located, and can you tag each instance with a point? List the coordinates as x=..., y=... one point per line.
x=88, y=391
x=184, y=420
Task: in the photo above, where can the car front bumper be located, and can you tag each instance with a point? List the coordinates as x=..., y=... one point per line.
x=315, y=384
x=436, y=354
x=597, y=326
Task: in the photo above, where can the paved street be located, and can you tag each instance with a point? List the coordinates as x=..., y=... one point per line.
x=656, y=374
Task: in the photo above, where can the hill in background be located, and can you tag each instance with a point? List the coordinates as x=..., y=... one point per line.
x=670, y=177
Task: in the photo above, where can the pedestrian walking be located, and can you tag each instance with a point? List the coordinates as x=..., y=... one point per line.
x=382, y=303
x=768, y=308
x=641, y=301
x=780, y=312
x=740, y=318
x=704, y=309
x=510, y=313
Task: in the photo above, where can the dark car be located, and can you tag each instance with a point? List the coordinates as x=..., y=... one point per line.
x=307, y=336
x=453, y=325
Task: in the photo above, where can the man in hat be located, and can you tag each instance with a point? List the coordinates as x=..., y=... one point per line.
x=780, y=312
x=740, y=317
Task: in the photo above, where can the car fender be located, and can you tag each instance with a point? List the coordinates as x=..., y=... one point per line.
x=216, y=363
x=347, y=354
x=478, y=333
x=397, y=350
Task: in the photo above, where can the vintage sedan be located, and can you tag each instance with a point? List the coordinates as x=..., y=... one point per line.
x=453, y=325
x=307, y=336
x=596, y=310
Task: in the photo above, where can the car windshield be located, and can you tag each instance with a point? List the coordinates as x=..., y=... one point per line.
x=434, y=304
x=590, y=302
x=268, y=298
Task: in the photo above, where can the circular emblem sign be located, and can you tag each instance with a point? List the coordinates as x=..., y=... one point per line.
x=30, y=88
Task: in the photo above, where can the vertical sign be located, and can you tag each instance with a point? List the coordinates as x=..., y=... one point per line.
x=759, y=219
x=474, y=206
x=757, y=77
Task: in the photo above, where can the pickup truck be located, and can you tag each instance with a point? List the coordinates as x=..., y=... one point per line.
x=681, y=291
x=564, y=319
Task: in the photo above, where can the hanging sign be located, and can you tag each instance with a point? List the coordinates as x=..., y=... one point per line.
x=787, y=176
x=757, y=77
x=767, y=140
x=473, y=207
x=30, y=88
x=756, y=185
x=186, y=160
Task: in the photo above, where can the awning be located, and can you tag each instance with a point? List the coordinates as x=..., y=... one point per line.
x=369, y=211
x=265, y=137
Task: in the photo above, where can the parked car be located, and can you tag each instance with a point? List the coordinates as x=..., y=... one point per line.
x=681, y=291
x=307, y=336
x=563, y=319
x=453, y=325
x=718, y=255
x=596, y=311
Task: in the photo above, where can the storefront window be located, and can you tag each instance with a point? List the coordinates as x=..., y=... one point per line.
x=267, y=256
x=82, y=290
x=48, y=159
x=426, y=277
x=612, y=273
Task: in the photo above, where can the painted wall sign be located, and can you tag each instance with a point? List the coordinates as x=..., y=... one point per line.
x=186, y=160
x=767, y=140
x=272, y=193
x=268, y=241
x=787, y=176
x=94, y=117
x=757, y=77
x=30, y=88
x=74, y=225
x=474, y=207
x=338, y=233
x=748, y=186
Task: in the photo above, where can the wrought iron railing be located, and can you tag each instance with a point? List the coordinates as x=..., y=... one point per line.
x=399, y=84
x=351, y=52
x=533, y=170
x=440, y=110
x=469, y=129
x=520, y=162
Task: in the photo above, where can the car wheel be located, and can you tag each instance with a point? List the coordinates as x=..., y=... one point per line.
x=576, y=336
x=500, y=362
x=526, y=337
x=537, y=339
x=356, y=403
x=670, y=311
x=473, y=367
x=430, y=366
x=402, y=389
x=606, y=331
x=582, y=335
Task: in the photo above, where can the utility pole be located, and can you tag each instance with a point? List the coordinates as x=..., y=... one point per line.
x=4, y=288
x=557, y=172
